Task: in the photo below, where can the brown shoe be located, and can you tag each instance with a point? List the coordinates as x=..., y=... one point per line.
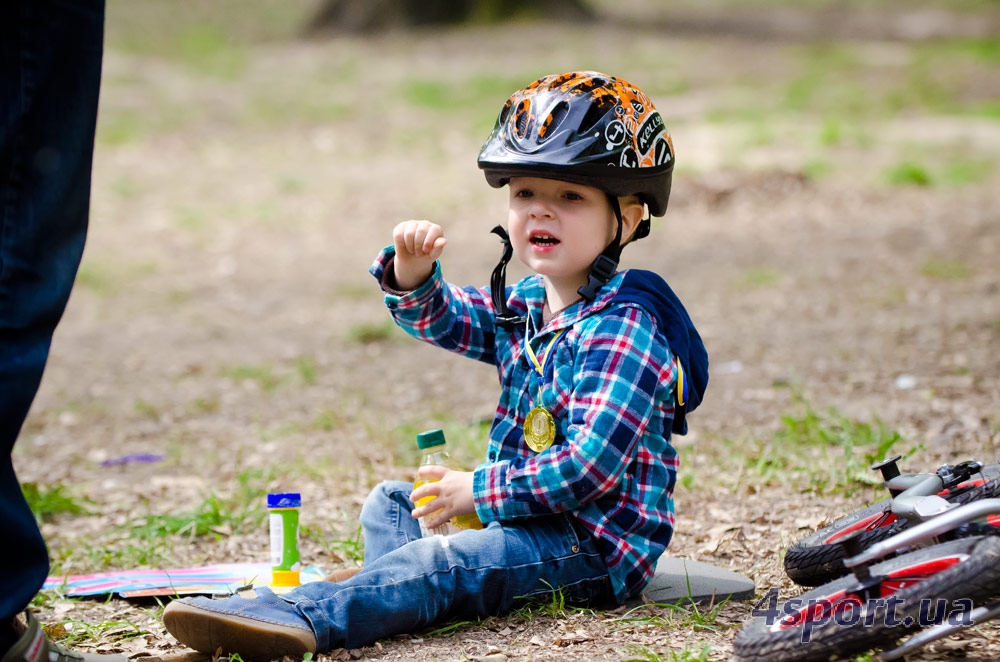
x=255, y=624
x=34, y=646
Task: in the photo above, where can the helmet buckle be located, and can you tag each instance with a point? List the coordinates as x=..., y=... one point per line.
x=601, y=272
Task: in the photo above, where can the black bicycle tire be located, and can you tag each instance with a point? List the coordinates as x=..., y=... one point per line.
x=812, y=561
x=975, y=578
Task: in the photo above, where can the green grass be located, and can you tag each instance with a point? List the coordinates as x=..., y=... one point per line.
x=188, y=217
x=843, y=83
x=107, y=277
x=943, y=269
x=125, y=187
x=263, y=375
x=967, y=172
x=345, y=549
x=831, y=133
x=307, y=370
x=819, y=452
x=207, y=50
x=145, y=409
x=72, y=632
x=957, y=171
x=552, y=605
x=685, y=613
x=215, y=515
x=204, y=406
x=828, y=79
x=45, y=502
x=366, y=334
x=117, y=128
x=759, y=277
x=817, y=169
x=907, y=173
x=148, y=539
x=158, y=28
x=987, y=109
x=986, y=49
x=328, y=420
x=690, y=653
x=449, y=628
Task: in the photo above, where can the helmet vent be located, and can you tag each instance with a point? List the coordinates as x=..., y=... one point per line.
x=554, y=120
x=504, y=112
x=593, y=117
x=521, y=119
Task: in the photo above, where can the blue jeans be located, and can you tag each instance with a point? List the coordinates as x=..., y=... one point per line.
x=50, y=72
x=409, y=582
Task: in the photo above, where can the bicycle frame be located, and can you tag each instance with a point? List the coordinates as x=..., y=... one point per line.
x=924, y=533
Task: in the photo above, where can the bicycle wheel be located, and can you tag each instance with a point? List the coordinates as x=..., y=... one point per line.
x=818, y=559
x=940, y=581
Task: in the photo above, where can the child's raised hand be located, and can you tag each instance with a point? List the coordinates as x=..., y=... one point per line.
x=418, y=245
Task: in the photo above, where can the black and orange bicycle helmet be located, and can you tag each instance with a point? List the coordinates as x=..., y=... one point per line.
x=589, y=128
x=586, y=127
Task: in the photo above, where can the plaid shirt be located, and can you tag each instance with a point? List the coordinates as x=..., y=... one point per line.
x=609, y=384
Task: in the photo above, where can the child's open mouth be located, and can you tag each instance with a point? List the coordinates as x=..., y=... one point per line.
x=543, y=240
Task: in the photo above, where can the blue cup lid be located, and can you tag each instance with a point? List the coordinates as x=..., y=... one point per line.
x=284, y=500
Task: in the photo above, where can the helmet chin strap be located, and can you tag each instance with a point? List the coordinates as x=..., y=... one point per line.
x=601, y=271
x=498, y=284
x=604, y=267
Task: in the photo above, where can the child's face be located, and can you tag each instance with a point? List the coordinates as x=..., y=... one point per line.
x=558, y=228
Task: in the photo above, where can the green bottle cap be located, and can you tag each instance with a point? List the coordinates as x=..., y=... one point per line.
x=430, y=439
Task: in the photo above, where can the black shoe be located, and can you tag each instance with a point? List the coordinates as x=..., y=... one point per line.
x=34, y=646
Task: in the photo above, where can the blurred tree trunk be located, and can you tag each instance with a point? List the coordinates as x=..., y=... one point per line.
x=374, y=15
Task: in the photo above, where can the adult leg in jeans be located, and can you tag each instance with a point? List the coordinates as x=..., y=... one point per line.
x=50, y=72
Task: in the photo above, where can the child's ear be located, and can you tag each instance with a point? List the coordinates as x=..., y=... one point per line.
x=632, y=213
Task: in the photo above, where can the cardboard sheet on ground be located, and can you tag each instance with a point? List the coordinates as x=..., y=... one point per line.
x=207, y=580
x=678, y=580
x=675, y=580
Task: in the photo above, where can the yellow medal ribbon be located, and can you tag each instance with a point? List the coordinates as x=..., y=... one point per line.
x=539, y=425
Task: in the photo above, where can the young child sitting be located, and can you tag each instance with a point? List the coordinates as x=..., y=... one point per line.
x=597, y=369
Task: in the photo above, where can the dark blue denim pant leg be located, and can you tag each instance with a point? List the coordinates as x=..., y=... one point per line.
x=50, y=72
x=410, y=582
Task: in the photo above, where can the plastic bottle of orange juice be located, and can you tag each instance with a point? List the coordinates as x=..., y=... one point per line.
x=435, y=449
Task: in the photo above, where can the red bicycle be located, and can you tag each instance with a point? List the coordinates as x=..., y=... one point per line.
x=937, y=576
x=914, y=498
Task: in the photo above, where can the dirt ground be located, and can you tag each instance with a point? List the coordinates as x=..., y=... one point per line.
x=224, y=319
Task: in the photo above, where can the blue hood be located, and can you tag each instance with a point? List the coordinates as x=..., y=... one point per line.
x=648, y=290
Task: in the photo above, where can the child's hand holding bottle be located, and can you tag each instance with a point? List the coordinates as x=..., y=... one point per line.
x=442, y=495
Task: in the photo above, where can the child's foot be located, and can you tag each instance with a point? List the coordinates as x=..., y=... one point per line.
x=33, y=646
x=341, y=575
x=256, y=624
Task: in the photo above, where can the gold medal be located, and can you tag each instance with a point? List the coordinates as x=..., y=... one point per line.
x=539, y=429
x=539, y=425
